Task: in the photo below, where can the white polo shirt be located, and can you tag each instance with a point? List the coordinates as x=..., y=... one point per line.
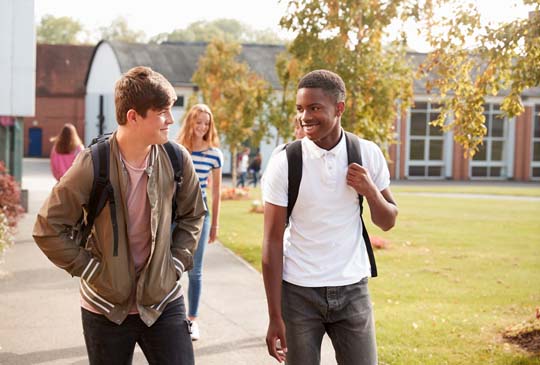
x=323, y=245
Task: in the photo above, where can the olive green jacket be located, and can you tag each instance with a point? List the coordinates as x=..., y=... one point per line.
x=108, y=281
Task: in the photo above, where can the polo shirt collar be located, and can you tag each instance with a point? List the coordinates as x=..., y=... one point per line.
x=318, y=152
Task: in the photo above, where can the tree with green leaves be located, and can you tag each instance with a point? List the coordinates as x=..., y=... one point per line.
x=280, y=108
x=472, y=60
x=119, y=30
x=58, y=30
x=235, y=94
x=230, y=30
x=469, y=60
x=350, y=38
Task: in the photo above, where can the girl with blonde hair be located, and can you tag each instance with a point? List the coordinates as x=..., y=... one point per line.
x=199, y=135
x=67, y=145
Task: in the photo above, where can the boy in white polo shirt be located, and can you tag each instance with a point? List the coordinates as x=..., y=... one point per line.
x=315, y=270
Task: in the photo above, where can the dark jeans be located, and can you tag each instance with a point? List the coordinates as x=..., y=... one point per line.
x=254, y=178
x=167, y=341
x=344, y=312
x=242, y=176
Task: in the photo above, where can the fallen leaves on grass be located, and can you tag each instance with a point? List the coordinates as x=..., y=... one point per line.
x=234, y=193
x=378, y=242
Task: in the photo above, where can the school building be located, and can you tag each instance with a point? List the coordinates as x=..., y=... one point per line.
x=60, y=91
x=511, y=149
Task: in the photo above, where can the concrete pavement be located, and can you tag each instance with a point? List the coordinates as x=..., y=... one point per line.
x=40, y=313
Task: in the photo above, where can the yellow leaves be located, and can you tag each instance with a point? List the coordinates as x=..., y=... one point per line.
x=232, y=90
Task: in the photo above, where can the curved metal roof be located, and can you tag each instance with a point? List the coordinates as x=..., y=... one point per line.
x=178, y=61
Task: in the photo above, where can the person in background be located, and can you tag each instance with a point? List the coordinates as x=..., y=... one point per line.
x=66, y=147
x=255, y=168
x=242, y=167
x=199, y=135
x=298, y=134
x=298, y=130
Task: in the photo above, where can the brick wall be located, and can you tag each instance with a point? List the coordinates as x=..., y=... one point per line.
x=51, y=115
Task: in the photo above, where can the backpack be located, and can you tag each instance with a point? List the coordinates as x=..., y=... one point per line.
x=294, y=160
x=103, y=191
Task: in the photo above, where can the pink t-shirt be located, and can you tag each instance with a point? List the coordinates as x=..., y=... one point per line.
x=61, y=162
x=138, y=223
x=138, y=220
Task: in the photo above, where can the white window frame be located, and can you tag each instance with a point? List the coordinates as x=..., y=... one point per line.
x=426, y=163
x=508, y=137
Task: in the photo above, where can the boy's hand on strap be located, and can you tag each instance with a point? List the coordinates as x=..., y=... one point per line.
x=358, y=178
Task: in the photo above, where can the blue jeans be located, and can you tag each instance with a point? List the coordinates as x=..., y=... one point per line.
x=241, y=179
x=167, y=341
x=195, y=274
x=344, y=312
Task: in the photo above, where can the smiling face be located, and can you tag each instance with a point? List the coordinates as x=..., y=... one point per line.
x=319, y=114
x=154, y=127
x=201, y=125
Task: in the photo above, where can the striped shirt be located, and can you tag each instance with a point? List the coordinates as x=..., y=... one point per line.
x=204, y=162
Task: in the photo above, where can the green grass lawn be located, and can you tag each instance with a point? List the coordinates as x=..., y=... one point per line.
x=457, y=272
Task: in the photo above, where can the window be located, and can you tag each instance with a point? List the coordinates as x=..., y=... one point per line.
x=535, y=156
x=490, y=160
x=425, y=157
x=179, y=101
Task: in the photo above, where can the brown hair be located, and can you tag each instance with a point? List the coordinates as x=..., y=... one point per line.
x=141, y=89
x=185, y=137
x=67, y=140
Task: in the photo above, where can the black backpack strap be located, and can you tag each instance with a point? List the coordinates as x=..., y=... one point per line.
x=102, y=191
x=294, y=162
x=100, y=138
x=99, y=194
x=354, y=155
x=177, y=161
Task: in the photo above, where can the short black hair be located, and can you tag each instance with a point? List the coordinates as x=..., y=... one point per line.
x=330, y=82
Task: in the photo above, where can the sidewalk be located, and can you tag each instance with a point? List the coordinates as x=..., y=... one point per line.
x=40, y=314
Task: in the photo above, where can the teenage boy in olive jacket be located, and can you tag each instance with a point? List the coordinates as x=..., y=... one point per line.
x=130, y=290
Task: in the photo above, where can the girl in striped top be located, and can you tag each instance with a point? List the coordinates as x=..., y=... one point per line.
x=199, y=135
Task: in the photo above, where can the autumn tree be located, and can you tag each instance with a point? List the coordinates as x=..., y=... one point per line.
x=58, y=30
x=350, y=37
x=119, y=30
x=280, y=107
x=469, y=59
x=234, y=92
x=230, y=30
x=472, y=60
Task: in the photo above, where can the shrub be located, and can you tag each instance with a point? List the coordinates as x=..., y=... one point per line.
x=234, y=193
x=10, y=209
x=257, y=207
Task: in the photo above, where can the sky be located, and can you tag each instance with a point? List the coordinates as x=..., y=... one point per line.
x=167, y=15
